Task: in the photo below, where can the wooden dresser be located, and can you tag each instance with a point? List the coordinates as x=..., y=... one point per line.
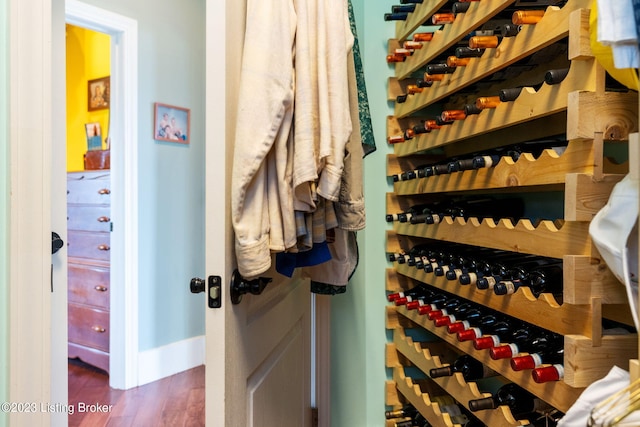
x=89, y=228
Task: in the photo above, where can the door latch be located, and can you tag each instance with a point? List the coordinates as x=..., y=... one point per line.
x=213, y=288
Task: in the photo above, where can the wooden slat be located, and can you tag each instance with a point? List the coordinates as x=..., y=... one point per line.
x=612, y=113
x=550, y=168
x=587, y=363
x=546, y=239
x=584, y=196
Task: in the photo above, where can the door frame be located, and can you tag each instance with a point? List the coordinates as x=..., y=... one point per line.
x=123, y=119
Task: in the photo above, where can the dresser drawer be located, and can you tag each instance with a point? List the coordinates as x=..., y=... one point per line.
x=89, y=188
x=89, y=285
x=89, y=244
x=89, y=326
x=88, y=218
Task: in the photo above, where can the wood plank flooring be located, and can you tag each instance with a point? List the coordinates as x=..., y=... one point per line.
x=174, y=401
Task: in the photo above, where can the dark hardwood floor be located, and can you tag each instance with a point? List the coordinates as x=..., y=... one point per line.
x=170, y=402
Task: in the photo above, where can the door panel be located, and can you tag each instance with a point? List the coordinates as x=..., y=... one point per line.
x=258, y=363
x=276, y=360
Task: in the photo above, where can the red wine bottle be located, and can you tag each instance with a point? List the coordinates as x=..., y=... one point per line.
x=551, y=355
x=529, y=340
x=549, y=373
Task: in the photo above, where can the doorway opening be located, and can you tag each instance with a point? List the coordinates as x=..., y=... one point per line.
x=123, y=177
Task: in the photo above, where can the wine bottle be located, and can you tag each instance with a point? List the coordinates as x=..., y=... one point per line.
x=402, y=137
x=467, y=315
x=470, y=368
x=439, y=68
x=553, y=354
x=549, y=373
x=499, y=332
x=405, y=216
x=443, y=18
x=546, y=278
x=519, y=401
x=404, y=8
x=422, y=37
x=551, y=77
x=443, y=309
x=413, y=292
x=509, y=271
x=484, y=42
x=486, y=324
x=486, y=267
x=459, y=7
x=407, y=410
x=485, y=207
x=527, y=17
x=472, y=317
x=529, y=340
x=396, y=16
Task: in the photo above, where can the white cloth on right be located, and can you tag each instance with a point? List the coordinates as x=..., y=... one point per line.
x=617, y=28
x=578, y=415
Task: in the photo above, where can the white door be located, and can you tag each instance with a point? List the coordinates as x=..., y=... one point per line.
x=258, y=361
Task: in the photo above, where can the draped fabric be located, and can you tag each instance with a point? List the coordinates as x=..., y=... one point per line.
x=296, y=187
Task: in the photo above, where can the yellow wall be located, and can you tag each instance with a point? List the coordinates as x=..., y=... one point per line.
x=88, y=58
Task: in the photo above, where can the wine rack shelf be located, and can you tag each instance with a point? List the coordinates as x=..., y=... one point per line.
x=582, y=108
x=554, y=26
x=544, y=311
x=463, y=391
x=547, y=239
x=414, y=393
x=550, y=168
x=616, y=112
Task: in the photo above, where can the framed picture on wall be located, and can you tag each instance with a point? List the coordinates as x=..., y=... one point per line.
x=99, y=91
x=171, y=123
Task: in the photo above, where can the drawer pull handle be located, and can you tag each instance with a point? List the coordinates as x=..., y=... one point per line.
x=104, y=247
x=101, y=288
x=99, y=329
x=104, y=191
x=104, y=219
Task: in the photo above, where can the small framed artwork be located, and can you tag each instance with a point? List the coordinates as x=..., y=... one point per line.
x=171, y=123
x=94, y=136
x=99, y=91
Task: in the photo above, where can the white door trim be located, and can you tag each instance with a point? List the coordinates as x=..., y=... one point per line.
x=124, y=184
x=30, y=130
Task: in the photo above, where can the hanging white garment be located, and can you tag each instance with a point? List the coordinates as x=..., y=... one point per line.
x=261, y=181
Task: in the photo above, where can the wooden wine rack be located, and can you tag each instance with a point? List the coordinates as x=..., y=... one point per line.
x=579, y=107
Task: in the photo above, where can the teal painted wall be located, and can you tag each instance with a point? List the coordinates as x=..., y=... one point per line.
x=358, y=372
x=4, y=207
x=171, y=70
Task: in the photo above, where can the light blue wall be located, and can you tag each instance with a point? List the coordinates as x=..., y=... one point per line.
x=4, y=206
x=171, y=67
x=358, y=372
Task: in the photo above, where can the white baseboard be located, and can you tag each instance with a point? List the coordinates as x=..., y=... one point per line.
x=161, y=362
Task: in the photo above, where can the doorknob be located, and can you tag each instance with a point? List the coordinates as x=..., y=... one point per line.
x=56, y=242
x=214, y=288
x=241, y=286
